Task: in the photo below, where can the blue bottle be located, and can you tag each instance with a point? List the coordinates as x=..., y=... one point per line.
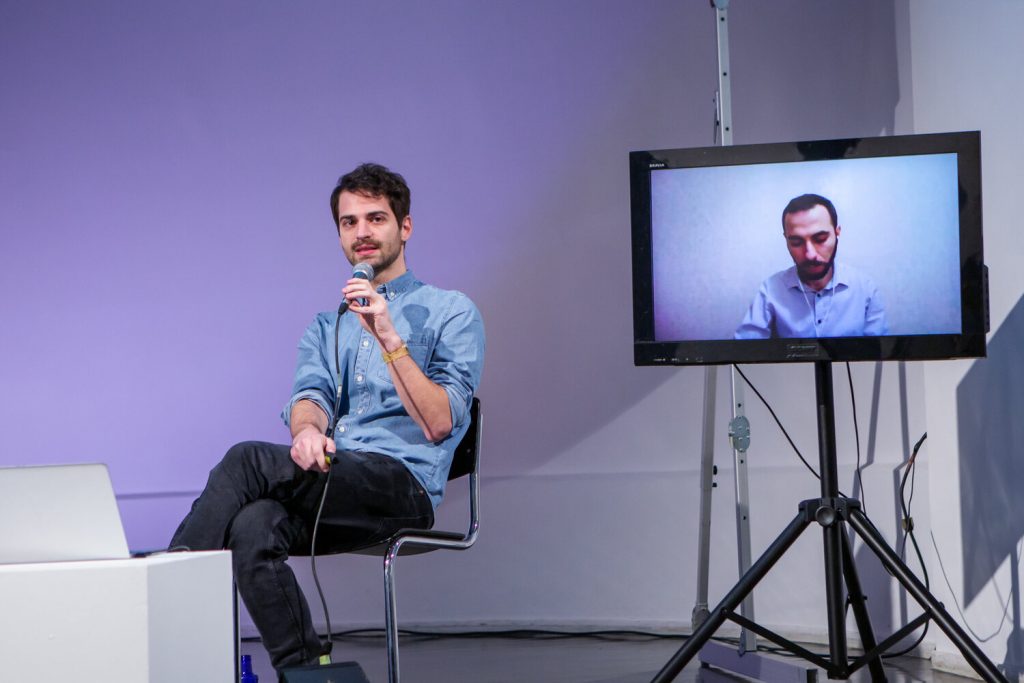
x=247, y=674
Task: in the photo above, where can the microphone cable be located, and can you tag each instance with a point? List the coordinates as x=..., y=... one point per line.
x=363, y=271
x=328, y=643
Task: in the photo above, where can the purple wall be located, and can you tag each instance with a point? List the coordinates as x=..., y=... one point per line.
x=165, y=168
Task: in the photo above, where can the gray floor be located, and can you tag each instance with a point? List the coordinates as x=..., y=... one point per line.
x=561, y=660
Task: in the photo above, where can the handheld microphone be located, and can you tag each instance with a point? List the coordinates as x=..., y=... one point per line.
x=360, y=270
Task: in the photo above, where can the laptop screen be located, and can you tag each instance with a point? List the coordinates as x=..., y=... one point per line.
x=59, y=513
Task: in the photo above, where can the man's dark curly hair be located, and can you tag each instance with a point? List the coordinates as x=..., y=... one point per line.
x=374, y=180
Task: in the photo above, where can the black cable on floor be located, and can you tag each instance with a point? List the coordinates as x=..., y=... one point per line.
x=512, y=634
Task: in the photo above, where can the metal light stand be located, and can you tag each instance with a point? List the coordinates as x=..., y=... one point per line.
x=744, y=657
x=832, y=512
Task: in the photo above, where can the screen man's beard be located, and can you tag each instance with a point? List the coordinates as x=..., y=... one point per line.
x=814, y=277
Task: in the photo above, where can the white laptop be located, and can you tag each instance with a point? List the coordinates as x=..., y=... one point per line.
x=59, y=513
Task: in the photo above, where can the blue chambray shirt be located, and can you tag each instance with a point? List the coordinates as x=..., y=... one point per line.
x=445, y=335
x=848, y=306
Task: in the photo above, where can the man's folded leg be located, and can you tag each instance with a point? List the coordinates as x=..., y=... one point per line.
x=259, y=539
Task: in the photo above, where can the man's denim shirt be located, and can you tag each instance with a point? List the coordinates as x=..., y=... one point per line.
x=445, y=336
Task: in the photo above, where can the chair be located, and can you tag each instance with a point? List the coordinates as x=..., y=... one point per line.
x=416, y=541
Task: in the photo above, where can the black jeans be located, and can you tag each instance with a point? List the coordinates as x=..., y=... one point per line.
x=261, y=506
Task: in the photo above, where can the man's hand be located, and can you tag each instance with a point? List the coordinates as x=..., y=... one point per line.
x=309, y=448
x=374, y=316
x=425, y=402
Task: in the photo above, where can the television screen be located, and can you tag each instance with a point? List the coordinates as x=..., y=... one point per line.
x=858, y=249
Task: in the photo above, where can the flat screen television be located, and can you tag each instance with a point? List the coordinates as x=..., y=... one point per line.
x=829, y=250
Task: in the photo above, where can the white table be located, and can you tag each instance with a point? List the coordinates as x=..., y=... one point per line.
x=167, y=618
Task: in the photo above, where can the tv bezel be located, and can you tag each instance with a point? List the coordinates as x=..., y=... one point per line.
x=969, y=343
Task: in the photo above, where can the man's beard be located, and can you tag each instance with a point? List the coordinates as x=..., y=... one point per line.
x=814, y=277
x=383, y=260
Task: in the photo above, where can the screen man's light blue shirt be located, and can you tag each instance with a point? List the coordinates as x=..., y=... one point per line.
x=848, y=306
x=445, y=336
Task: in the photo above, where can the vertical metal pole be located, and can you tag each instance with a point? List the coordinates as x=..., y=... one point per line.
x=707, y=467
x=832, y=530
x=724, y=75
x=391, y=612
x=723, y=112
x=707, y=472
x=739, y=433
x=739, y=427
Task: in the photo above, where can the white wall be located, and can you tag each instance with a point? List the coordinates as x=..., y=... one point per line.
x=966, y=61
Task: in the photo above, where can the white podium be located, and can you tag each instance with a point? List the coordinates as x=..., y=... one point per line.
x=167, y=618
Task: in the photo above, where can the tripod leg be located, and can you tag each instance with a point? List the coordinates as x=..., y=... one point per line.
x=735, y=596
x=971, y=652
x=831, y=537
x=860, y=610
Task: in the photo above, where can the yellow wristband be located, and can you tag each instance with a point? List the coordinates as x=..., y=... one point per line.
x=403, y=350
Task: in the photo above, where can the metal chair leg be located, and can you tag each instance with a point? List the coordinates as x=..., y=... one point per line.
x=391, y=613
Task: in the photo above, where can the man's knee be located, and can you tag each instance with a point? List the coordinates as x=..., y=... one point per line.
x=256, y=529
x=239, y=455
x=237, y=465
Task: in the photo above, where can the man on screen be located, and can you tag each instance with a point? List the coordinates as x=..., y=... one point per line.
x=400, y=382
x=816, y=297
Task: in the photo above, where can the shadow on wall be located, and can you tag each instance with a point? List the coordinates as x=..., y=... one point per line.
x=991, y=469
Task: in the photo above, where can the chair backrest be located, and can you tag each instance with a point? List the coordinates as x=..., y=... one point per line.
x=464, y=460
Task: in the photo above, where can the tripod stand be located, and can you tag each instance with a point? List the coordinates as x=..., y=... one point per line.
x=832, y=512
